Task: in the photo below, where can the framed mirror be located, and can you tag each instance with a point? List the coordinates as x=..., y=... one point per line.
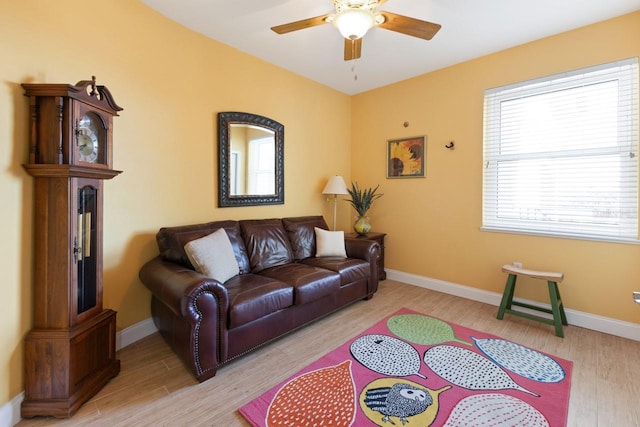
x=250, y=160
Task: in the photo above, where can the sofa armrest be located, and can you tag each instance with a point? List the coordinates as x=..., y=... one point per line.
x=190, y=311
x=369, y=251
x=179, y=287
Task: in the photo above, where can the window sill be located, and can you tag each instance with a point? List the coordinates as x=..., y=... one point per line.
x=561, y=235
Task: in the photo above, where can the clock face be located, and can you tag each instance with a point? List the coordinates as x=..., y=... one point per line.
x=88, y=139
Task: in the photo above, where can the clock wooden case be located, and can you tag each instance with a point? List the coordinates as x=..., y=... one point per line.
x=70, y=352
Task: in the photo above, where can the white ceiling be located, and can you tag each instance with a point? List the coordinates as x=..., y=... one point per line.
x=470, y=29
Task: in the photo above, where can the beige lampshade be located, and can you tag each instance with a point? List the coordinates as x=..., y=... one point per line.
x=335, y=185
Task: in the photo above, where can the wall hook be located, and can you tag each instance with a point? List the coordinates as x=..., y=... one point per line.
x=451, y=145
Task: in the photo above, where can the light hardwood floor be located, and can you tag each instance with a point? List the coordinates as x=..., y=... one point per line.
x=154, y=389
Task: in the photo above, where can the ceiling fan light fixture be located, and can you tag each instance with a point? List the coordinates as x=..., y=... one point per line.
x=353, y=23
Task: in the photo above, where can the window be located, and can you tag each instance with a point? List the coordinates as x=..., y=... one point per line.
x=560, y=154
x=262, y=166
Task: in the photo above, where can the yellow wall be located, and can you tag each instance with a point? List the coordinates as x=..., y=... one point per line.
x=171, y=83
x=434, y=223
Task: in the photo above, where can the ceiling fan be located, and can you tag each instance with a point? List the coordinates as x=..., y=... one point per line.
x=354, y=18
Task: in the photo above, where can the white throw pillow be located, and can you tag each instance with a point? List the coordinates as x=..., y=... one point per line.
x=213, y=256
x=329, y=243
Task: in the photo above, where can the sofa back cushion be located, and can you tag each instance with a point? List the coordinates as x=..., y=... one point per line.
x=267, y=243
x=302, y=235
x=171, y=241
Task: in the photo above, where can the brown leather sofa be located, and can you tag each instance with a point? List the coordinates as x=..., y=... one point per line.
x=282, y=286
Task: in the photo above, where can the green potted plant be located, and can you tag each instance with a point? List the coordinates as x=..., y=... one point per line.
x=361, y=200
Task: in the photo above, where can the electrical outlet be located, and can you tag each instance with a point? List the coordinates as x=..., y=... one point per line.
x=636, y=296
x=517, y=264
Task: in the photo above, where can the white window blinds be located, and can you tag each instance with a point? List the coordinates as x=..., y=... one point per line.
x=560, y=154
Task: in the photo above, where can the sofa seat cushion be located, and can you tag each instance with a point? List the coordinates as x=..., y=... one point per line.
x=310, y=283
x=252, y=296
x=349, y=269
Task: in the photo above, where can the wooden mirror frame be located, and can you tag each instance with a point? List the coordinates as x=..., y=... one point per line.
x=225, y=198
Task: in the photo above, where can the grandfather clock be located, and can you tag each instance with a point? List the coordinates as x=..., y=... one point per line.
x=70, y=353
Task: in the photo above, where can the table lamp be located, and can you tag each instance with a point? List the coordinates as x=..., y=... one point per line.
x=335, y=186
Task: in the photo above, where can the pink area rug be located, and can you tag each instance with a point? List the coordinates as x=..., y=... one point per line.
x=411, y=369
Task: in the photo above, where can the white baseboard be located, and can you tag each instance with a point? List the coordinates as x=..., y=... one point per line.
x=135, y=332
x=574, y=317
x=10, y=412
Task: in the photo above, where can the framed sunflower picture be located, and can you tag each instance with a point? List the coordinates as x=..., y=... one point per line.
x=406, y=157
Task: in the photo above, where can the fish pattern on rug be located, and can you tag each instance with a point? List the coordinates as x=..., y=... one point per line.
x=411, y=369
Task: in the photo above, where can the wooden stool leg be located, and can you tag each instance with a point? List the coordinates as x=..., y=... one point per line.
x=558, y=315
x=563, y=316
x=507, y=296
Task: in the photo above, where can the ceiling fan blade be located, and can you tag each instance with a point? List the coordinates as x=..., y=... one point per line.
x=300, y=25
x=352, y=49
x=409, y=26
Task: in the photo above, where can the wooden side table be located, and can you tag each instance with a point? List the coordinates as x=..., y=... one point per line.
x=378, y=237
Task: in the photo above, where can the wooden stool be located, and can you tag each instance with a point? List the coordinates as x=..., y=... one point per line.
x=557, y=309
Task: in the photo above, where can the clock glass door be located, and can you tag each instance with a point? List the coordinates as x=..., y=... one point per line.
x=86, y=254
x=91, y=135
